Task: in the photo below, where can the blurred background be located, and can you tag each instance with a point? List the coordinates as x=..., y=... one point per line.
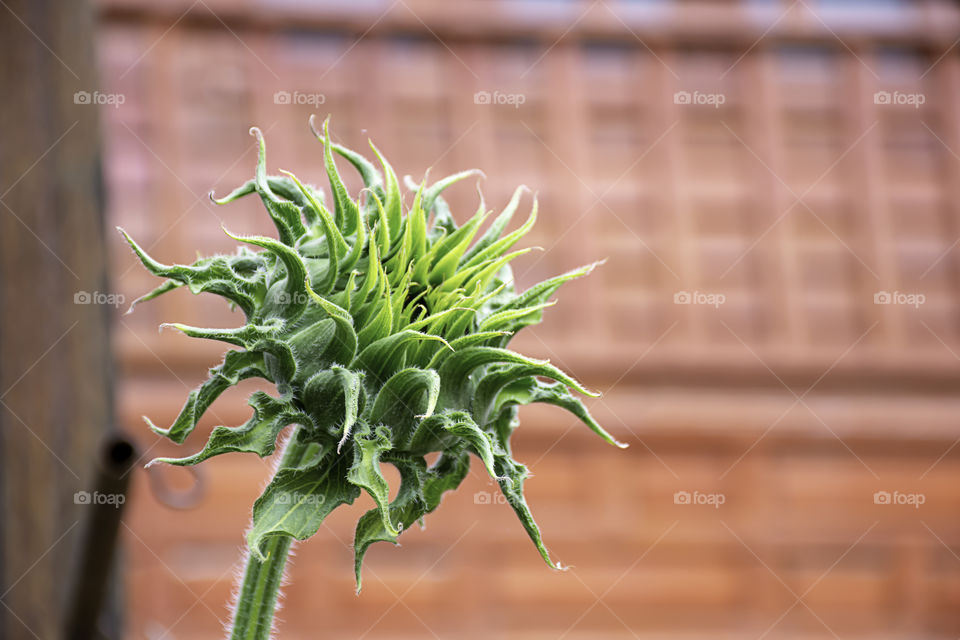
x=774, y=185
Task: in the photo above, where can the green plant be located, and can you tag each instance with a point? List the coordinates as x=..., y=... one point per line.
x=386, y=339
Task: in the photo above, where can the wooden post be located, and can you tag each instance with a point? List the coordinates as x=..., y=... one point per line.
x=55, y=399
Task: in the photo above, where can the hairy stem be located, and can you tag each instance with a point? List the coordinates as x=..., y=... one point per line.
x=260, y=585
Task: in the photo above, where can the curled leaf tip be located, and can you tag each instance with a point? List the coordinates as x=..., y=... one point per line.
x=130, y=240
x=177, y=326
x=593, y=265
x=238, y=238
x=157, y=430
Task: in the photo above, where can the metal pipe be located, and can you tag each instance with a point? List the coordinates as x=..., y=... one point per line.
x=90, y=580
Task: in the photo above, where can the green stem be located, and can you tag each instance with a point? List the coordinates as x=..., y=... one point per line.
x=253, y=617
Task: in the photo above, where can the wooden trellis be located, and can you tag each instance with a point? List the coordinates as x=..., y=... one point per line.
x=799, y=198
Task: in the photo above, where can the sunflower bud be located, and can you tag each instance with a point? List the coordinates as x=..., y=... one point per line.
x=384, y=329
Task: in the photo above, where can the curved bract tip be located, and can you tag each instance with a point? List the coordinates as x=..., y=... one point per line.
x=177, y=326
x=233, y=236
x=157, y=430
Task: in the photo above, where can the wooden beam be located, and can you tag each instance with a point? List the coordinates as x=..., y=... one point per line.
x=55, y=399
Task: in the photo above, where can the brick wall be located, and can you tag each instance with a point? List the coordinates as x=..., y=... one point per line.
x=790, y=190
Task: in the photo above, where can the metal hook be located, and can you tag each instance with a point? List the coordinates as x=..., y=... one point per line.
x=186, y=499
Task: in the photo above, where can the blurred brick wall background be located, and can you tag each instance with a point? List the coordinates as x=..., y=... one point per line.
x=735, y=155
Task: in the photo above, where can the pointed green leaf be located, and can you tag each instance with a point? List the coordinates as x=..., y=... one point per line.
x=291, y=298
x=168, y=285
x=297, y=500
x=408, y=507
x=433, y=192
x=385, y=357
x=393, y=201
x=499, y=224
x=208, y=275
x=258, y=435
x=332, y=398
x=346, y=212
x=285, y=214
x=500, y=246
x=344, y=344
x=236, y=366
x=369, y=444
x=444, y=475
x=513, y=474
x=457, y=368
x=407, y=396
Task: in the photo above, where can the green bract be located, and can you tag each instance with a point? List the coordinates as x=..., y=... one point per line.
x=384, y=329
